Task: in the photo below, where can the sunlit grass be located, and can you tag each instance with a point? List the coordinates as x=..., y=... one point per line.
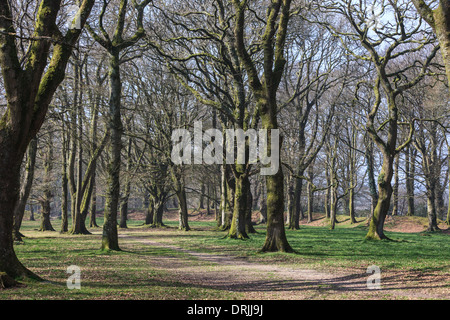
x=136, y=272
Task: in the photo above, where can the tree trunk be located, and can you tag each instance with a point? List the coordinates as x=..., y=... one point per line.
x=333, y=208
x=208, y=202
x=31, y=213
x=64, y=188
x=442, y=29
x=26, y=110
x=327, y=204
x=439, y=196
x=202, y=197
x=263, y=203
x=47, y=193
x=276, y=235
x=93, y=207
x=294, y=219
x=25, y=189
x=158, y=213
x=110, y=239
x=183, y=210
x=77, y=139
x=237, y=229
x=447, y=221
x=351, y=206
x=9, y=192
x=230, y=186
x=93, y=133
x=46, y=224
x=290, y=200
x=150, y=213
x=371, y=177
x=431, y=209
x=409, y=168
x=249, y=210
x=223, y=197
x=310, y=193
x=376, y=227
x=127, y=190
x=396, y=185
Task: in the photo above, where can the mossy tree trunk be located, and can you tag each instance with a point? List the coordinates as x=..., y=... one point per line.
x=114, y=46
x=376, y=227
x=389, y=151
x=265, y=94
x=431, y=209
x=370, y=159
x=237, y=229
x=26, y=111
x=180, y=191
x=231, y=187
x=158, y=213
x=183, y=210
x=110, y=239
x=276, y=236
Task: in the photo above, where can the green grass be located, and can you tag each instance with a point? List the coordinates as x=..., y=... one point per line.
x=343, y=247
x=135, y=273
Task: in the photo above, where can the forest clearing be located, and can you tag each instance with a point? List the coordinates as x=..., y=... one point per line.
x=224, y=150
x=169, y=264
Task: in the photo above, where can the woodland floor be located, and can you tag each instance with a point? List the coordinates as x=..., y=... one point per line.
x=257, y=281
x=221, y=272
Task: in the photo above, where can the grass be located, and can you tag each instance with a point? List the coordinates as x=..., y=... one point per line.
x=141, y=271
x=343, y=247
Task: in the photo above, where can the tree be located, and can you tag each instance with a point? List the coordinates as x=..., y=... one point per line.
x=25, y=111
x=400, y=40
x=439, y=20
x=25, y=189
x=310, y=86
x=264, y=87
x=45, y=198
x=114, y=46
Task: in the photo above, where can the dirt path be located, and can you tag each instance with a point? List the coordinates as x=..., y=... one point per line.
x=268, y=282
